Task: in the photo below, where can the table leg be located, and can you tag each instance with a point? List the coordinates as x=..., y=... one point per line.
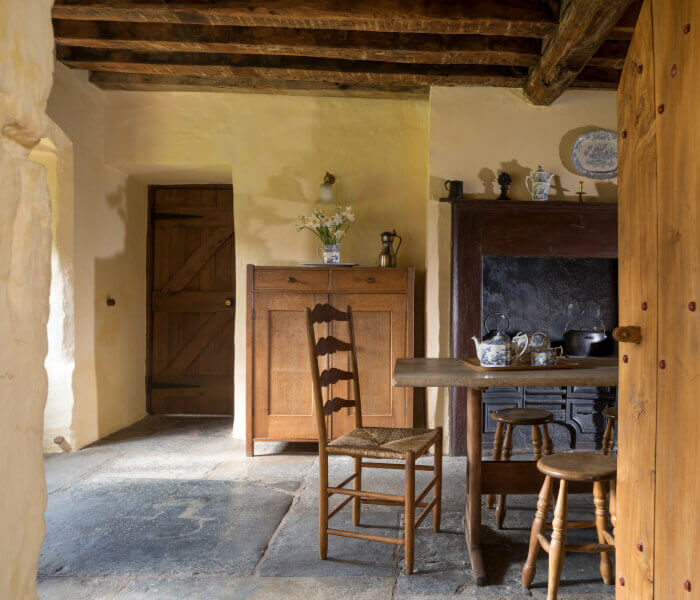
x=472, y=520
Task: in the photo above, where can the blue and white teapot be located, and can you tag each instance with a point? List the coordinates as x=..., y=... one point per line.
x=497, y=349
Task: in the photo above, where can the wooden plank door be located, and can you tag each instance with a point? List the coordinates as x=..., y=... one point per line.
x=283, y=407
x=380, y=338
x=676, y=26
x=637, y=220
x=192, y=300
x=657, y=538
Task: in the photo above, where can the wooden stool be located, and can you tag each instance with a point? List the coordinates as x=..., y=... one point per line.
x=611, y=414
x=597, y=468
x=502, y=450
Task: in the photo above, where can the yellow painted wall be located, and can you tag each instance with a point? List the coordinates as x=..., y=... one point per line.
x=475, y=133
x=109, y=211
x=275, y=150
x=26, y=62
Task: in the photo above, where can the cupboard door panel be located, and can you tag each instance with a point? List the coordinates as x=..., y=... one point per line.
x=380, y=337
x=281, y=381
x=637, y=284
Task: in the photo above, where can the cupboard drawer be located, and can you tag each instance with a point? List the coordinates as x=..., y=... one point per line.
x=370, y=280
x=301, y=280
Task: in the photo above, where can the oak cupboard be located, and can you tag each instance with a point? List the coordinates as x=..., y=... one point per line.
x=279, y=397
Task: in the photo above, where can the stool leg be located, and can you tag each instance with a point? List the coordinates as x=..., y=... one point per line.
x=548, y=445
x=536, y=442
x=608, y=437
x=506, y=453
x=538, y=526
x=613, y=505
x=601, y=517
x=556, y=546
x=496, y=455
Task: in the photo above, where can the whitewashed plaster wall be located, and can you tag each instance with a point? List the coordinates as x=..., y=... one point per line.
x=109, y=245
x=26, y=64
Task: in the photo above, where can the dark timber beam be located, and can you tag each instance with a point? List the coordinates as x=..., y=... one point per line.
x=180, y=83
x=289, y=68
x=320, y=43
x=520, y=18
x=583, y=27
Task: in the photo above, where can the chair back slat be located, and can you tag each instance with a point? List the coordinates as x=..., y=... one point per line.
x=331, y=345
x=336, y=404
x=325, y=313
x=333, y=375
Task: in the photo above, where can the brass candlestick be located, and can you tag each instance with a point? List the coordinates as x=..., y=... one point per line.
x=580, y=192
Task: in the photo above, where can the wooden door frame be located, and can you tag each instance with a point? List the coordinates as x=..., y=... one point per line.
x=150, y=241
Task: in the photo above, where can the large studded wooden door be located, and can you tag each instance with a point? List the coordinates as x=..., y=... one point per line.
x=192, y=300
x=657, y=542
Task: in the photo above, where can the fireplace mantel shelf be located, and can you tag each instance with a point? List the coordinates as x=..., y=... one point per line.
x=489, y=203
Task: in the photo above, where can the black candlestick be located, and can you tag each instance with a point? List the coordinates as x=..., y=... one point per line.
x=504, y=180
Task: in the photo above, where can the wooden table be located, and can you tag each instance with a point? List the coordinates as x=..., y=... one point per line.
x=496, y=477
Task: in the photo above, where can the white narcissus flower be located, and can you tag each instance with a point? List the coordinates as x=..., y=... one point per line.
x=328, y=221
x=314, y=221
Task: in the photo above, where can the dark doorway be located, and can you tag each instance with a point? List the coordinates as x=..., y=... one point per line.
x=191, y=300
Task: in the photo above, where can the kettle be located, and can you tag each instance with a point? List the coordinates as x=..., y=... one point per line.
x=387, y=256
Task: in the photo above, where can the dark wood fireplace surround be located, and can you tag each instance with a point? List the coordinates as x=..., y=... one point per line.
x=508, y=228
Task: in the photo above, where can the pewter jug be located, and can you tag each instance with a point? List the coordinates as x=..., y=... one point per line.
x=387, y=256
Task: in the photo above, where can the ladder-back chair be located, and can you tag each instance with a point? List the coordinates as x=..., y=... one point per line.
x=366, y=442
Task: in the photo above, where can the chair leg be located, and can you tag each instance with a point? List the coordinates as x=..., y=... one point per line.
x=496, y=455
x=608, y=437
x=601, y=517
x=536, y=442
x=556, y=545
x=410, y=511
x=437, y=490
x=538, y=527
x=323, y=505
x=548, y=445
x=356, y=504
x=506, y=453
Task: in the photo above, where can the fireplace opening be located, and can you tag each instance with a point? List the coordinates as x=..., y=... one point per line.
x=543, y=294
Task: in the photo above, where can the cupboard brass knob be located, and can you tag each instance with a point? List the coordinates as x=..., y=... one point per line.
x=291, y=279
x=631, y=334
x=229, y=302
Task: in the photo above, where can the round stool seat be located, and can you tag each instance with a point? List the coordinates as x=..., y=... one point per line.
x=610, y=412
x=578, y=466
x=523, y=416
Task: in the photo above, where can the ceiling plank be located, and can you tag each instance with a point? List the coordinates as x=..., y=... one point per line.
x=611, y=55
x=349, y=45
x=584, y=25
x=520, y=18
x=289, y=68
x=180, y=83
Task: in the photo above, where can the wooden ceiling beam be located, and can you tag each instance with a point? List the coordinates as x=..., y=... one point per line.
x=520, y=18
x=584, y=26
x=320, y=43
x=289, y=68
x=611, y=55
x=184, y=83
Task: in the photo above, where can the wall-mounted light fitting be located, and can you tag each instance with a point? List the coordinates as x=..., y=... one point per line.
x=325, y=192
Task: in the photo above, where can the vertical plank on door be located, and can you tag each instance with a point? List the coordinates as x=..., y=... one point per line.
x=638, y=306
x=676, y=27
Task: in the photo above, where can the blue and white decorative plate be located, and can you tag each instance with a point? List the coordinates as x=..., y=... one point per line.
x=594, y=154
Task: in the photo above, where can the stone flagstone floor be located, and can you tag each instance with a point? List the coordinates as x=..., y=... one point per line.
x=171, y=508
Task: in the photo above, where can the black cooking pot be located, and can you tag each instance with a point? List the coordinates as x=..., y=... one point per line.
x=583, y=342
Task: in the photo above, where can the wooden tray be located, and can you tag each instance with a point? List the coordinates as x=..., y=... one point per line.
x=564, y=363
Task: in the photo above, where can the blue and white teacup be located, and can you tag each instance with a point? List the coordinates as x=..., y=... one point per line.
x=548, y=357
